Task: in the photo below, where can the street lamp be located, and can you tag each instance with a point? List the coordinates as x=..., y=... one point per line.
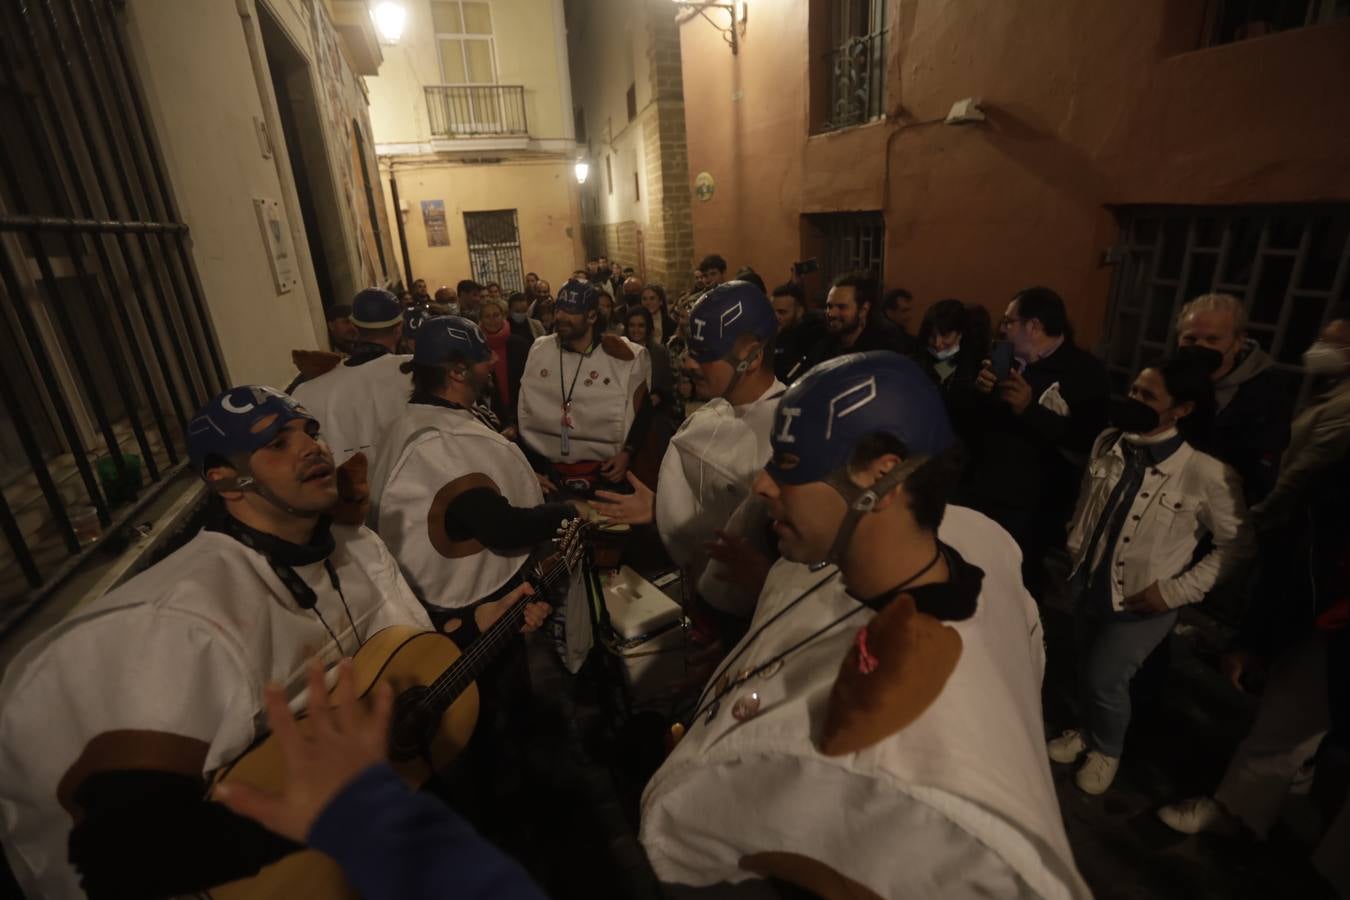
x=390, y=19
x=582, y=169
x=736, y=9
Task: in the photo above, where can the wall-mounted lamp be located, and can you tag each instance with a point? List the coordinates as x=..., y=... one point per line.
x=390, y=20
x=582, y=169
x=736, y=9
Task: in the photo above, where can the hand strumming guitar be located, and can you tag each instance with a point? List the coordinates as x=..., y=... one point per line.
x=346, y=738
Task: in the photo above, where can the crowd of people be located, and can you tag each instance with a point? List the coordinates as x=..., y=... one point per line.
x=867, y=512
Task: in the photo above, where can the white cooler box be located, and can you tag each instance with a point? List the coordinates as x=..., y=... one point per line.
x=648, y=635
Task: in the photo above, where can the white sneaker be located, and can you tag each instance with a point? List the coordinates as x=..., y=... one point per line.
x=1067, y=747
x=1097, y=772
x=1196, y=815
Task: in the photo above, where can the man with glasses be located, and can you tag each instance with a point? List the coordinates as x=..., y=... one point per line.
x=1040, y=421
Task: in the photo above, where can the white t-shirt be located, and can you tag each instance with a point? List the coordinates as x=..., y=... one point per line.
x=184, y=648
x=605, y=387
x=426, y=449
x=959, y=803
x=354, y=404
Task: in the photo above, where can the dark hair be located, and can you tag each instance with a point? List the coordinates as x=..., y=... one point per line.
x=1188, y=380
x=640, y=310
x=375, y=334
x=492, y=284
x=1046, y=307
x=750, y=276
x=467, y=286
x=863, y=284
x=790, y=289
x=429, y=379
x=928, y=486
x=658, y=289
x=713, y=261
x=889, y=299
x=528, y=274
x=517, y=295
x=943, y=317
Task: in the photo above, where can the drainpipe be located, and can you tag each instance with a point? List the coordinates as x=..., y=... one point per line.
x=402, y=235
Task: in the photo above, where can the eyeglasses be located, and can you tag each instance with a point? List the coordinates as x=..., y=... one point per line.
x=1009, y=320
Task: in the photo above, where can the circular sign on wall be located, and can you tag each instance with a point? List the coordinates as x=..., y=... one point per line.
x=704, y=186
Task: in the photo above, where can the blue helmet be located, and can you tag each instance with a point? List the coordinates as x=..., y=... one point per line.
x=725, y=313
x=228, y=426
x=376, y=308
x=414, y=317
x=823, y=416
x=577, y=297
x=445, y=338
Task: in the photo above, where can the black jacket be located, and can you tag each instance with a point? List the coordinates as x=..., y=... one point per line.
x=794, y=343
x=873, y=337
x=1252, y=431
x=1034, y=461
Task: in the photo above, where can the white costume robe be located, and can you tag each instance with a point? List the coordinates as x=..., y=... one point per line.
x=707, y=473
x=959, y=803
x=607, y=387
x=354, y=404
x=425, y=449
x=184, y=649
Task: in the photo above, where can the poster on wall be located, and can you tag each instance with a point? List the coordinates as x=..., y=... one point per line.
x=433, y=218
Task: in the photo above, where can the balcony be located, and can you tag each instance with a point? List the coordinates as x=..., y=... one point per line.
x=459, y=111
x=857, y=74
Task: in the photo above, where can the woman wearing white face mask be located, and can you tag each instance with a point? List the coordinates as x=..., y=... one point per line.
x=953, y=339
x=1147, y=500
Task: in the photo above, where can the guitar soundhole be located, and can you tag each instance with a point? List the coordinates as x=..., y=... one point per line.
x=412, y=726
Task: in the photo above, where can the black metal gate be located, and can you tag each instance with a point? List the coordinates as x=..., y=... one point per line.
x=494, y=248
x=108, y=349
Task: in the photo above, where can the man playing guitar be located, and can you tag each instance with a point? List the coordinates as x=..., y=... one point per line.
x=110, y=723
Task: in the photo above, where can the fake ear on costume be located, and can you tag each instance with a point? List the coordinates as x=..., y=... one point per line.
x=898, y=665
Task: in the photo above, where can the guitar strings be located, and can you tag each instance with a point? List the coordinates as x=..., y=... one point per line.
x=448, y=681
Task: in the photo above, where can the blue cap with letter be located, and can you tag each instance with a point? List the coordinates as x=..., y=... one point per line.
x=445, y=338
x=237, y=423
x=821, y=419
x=723, y=315
x=376, y=308
x=577, y=297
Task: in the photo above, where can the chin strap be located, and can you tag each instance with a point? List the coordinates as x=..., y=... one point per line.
x=740, y=364
x=246, y=482
x=862, y=500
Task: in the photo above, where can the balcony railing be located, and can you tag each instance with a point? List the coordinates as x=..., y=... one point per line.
x=857, y=80
x=476, y=110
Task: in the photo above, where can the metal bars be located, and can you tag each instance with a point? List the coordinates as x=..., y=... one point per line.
x=467, y=110
x=856, y=66
x=98, y=287
x=1287, y=264
x=494, y=248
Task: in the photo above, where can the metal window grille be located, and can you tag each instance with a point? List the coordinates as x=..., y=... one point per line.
x=1288, y=264
x=1240, y=20
x=109, y=349
x=853, y=242
x=856, y=64
x=494, y=248
x=467, y=110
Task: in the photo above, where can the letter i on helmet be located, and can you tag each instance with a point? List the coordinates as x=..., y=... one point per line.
x=823, y=417
x=233, y=426
x=722, y=316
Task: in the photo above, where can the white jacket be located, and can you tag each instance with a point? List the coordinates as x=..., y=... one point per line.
x=1181, y=499
x=960, y=803
x=355, y=404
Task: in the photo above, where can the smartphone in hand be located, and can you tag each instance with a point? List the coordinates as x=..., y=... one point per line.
x=1001, y=359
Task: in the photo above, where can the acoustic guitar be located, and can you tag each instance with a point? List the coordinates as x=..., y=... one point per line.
x=435, y=710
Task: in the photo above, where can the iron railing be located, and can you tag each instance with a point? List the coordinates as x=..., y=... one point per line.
x=857, y=70
x=476, y=110
x=110, y=350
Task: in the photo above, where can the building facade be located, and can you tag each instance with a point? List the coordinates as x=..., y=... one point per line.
x=1130, y=155
x=473, y=128
x=184, y=188
x=627, y=91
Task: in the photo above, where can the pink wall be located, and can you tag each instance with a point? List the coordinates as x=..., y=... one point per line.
x=1090, y=104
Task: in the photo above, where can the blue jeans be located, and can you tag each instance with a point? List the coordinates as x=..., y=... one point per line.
x=1110, y=650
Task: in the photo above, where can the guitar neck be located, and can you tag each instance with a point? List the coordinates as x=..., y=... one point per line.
x=446, y=689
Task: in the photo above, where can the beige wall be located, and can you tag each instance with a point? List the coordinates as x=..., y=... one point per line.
x=206, y=100
x=543, y=193
x=527, y=54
